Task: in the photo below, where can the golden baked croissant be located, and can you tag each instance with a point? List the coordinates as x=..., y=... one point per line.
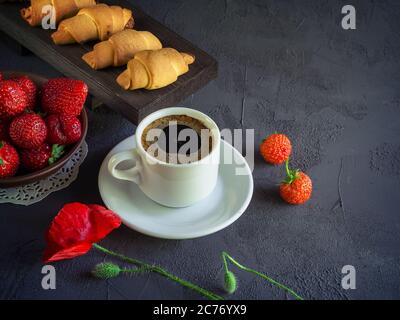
x=63, y=9
x=98, y=22
x=120, y=48
x=154, y=69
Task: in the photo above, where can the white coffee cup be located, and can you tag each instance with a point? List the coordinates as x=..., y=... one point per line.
x=170, y=184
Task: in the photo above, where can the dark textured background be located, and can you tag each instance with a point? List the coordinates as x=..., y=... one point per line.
x=284, y=66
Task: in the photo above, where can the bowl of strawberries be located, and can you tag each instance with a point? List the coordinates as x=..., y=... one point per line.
x=43, y=123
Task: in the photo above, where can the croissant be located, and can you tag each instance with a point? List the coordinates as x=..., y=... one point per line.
x=120, y=48
x=63, y=9
x=97, y=22
x=154, y=69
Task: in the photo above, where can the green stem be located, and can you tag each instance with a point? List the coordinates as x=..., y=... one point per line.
x=226, y=256
x=135, y=270
x=208, y=294
x=226, y=269
x=292, y=175
x=288, y=172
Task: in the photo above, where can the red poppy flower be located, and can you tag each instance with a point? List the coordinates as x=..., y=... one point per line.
x=75, y=228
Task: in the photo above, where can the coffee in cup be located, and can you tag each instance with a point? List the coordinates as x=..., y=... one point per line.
x=177, y=139
x=176, y=157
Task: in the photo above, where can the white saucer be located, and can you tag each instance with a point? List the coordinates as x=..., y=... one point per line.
x=224, y=206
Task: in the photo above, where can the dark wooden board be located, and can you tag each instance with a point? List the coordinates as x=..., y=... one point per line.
x=134, y=105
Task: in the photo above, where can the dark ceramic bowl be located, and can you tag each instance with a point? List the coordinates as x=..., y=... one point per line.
x=48, y=171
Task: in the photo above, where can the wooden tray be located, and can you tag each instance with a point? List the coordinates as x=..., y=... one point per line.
x=134, y=105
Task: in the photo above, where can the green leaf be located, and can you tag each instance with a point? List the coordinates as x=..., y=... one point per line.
x=57, y=151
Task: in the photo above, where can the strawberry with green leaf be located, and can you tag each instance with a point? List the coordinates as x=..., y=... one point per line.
x=39, y=158
x=297, y=187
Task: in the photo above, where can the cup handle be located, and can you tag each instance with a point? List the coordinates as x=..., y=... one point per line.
x=132, y=174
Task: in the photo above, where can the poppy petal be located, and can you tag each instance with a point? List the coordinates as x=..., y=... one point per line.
x=56, y=254
x=103, y=222
x=75, y=228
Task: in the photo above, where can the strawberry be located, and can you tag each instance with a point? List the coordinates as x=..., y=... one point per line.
x=297, y=188
x=63, y=129
x=39, y=158
x=13, y=100
x=3, y=130
x=64, y=96
x=276, y=148
x=29, y=87
x=9, y=160
x=28, y=131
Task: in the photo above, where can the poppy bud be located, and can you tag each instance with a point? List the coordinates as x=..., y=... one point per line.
x=106, y=270
x=230, y=283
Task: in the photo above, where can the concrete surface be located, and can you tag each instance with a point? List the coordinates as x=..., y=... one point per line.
x=285, y=66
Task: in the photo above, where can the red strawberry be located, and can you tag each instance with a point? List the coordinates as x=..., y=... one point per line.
x=13, y=100
x=63, y=129
x=64, y=96
x=276, y=148
x=9, y=160
x=297, y=188
x=28, y=131
x=39, y=158
x=3, y=130
x=29, y=87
